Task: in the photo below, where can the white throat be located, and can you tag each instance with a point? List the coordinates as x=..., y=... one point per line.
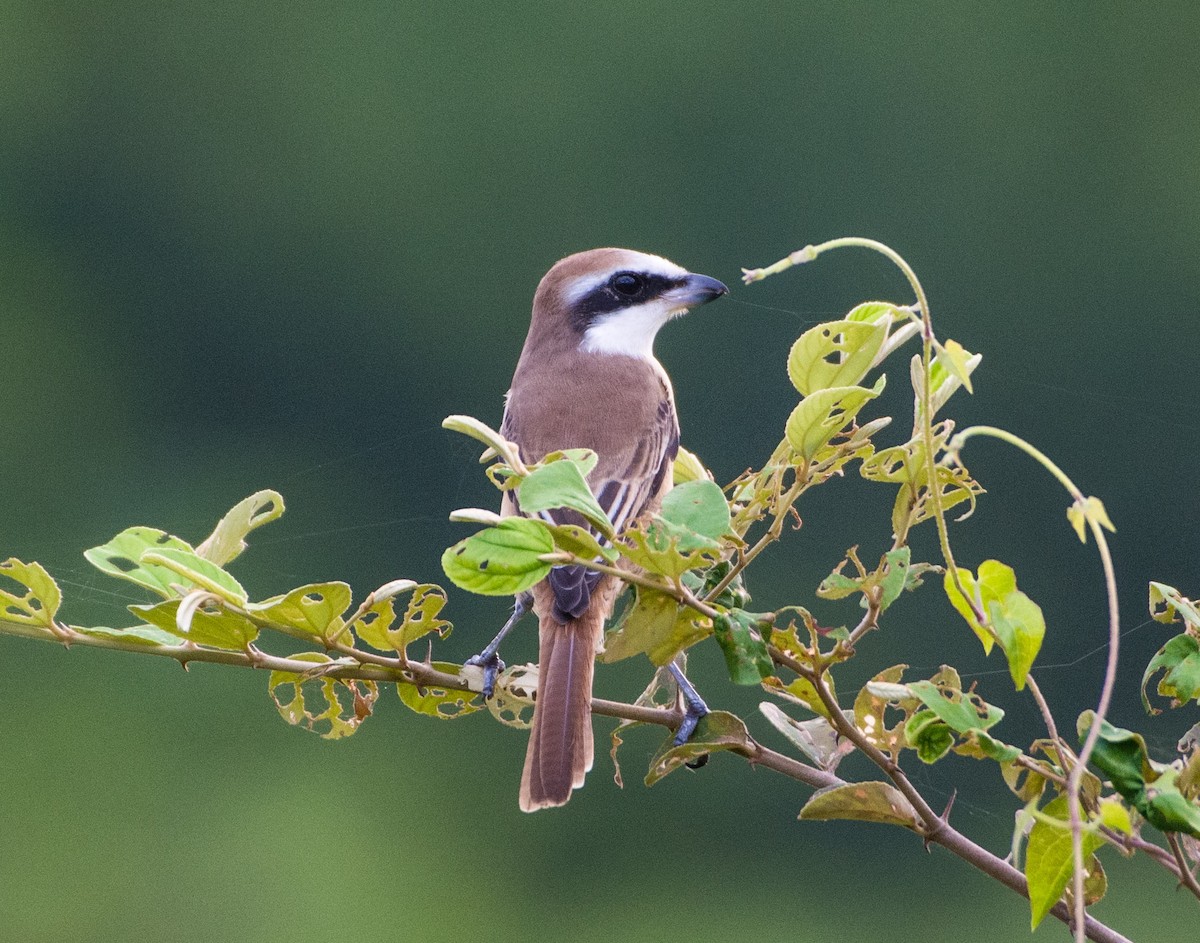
x=629, y=332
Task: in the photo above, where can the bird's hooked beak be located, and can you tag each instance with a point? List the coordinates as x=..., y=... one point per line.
x=696, y=290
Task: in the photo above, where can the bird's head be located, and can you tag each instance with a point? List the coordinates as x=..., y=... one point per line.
x=613, y=301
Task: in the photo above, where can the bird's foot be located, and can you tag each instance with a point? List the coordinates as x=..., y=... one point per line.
x=693, y=706
x=492, y=665
x=489, y=658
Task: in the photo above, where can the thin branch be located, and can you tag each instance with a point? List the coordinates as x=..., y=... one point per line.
x=1186, y=877
x=937, y=829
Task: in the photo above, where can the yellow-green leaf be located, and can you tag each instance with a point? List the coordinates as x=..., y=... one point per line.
x=228, y=540
x=1049, y=860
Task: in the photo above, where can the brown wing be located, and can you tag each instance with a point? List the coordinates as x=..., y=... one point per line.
x=627, y=477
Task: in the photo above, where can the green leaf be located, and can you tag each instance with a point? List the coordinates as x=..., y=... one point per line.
x=561, y=484
x=824, y=414
x=1121, y=756
x=122, y=557
x=38, y=605
x=580, y=542
x=1114, y=815
x=835, y=354
x=928, y=735
x=139, y=634
x=1019, y=623
x=891, y=576
x=500, y=561
x=717, y=731
x=895, y=576
x=228, y=540
x=654, y=624
x=1168, y=809
x=342, y=704
x=214, y=627
x=980, y=745
x=1179, y=660
x=741, y=640
x=442, y=703
x=861, y=802
x=699, y=507
x=1049, y=859
x=315, y=609
x=197, y=571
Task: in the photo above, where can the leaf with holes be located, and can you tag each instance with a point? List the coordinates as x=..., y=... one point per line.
x=861, y=802
x=658, y=547
x=500, y=561
x=877, y=698
x=340, y=705
x=740, y=635
x=717, y=731
x=228, y=539
x=442, y=703
x=512, y=702
x=1168, y=604
x=1179, y=661
x=214, y=627
x=377, y=625
x=960, y=710
x=824, y=414
x=314, y=609
x=122, y=557
x=834, y=354
x=38, y=605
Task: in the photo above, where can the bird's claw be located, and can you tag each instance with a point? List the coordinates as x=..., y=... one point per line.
x=492, y=665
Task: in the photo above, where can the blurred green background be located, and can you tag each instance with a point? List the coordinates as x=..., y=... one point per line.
x=273, y=244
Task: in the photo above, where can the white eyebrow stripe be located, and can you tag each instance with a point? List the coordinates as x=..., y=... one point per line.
x=641, y=262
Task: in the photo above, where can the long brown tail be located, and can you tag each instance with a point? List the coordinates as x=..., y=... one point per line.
x=560, y=744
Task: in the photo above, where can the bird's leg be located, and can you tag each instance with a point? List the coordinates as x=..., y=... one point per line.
x=489, y=658
x=693, y=705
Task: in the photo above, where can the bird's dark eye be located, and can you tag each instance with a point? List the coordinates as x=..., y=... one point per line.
x=628, y=284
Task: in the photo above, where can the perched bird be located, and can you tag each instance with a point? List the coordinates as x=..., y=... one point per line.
x=588, y=378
